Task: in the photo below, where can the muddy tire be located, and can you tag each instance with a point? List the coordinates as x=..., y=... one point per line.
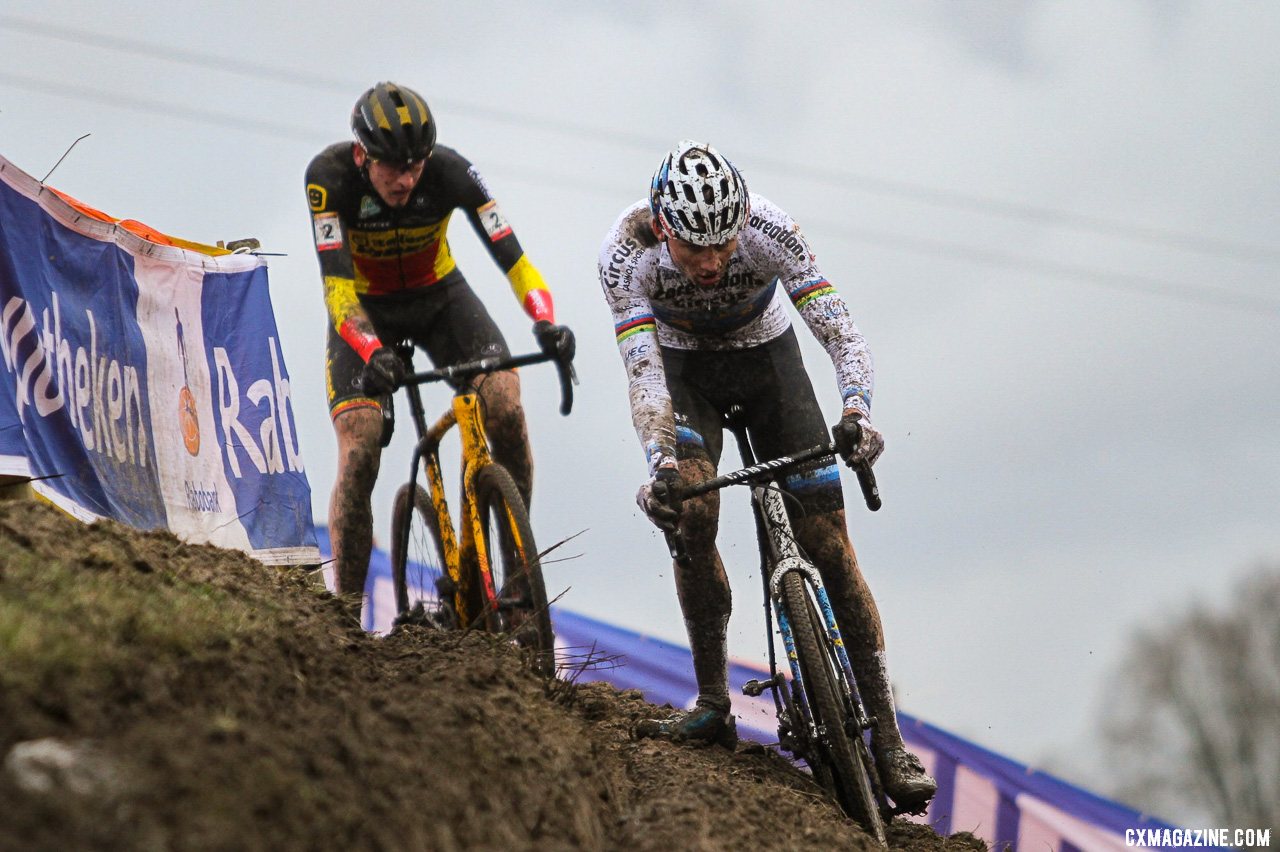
x=840, y=767
x=417, y=554
x=519, y=592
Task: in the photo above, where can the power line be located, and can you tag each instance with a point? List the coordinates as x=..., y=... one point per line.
x=1205, y=294
x=167, y=108
x=1184, y=241
x=1202, y=294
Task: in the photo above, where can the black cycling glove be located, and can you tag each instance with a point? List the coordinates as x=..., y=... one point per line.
x=557, y=339
x=383, y=373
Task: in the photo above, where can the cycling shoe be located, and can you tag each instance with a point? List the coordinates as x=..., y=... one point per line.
x=699, y=726
x=904, y=778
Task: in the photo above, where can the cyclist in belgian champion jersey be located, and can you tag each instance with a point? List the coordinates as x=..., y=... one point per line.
x=380, y=209
x=698, y=277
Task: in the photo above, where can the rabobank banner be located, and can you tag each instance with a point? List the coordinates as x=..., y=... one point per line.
x=143, y=381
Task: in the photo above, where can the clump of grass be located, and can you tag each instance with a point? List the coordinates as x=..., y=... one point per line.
x=86, y=618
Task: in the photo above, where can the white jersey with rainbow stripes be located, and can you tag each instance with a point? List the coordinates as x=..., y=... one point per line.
x=654, y=303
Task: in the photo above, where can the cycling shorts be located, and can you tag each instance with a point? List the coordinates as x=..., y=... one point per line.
x=769, y=382
x=449, y=323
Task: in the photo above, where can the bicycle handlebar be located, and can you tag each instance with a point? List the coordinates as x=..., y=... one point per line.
x=471, y=369
x=767, y=470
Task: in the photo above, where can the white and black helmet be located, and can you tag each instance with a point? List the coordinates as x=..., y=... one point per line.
x=698, y=196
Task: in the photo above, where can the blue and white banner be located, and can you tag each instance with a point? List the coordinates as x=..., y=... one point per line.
x=144, y=381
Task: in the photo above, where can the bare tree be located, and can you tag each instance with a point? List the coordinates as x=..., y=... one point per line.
x=1193, y=727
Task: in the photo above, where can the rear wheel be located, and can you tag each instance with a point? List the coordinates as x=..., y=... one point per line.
x=417, y=553
x=519, y=604
x=841, y=768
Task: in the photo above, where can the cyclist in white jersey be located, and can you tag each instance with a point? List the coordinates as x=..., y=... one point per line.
x=698, y=278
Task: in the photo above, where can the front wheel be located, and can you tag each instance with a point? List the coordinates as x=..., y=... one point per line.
x=417, y=552
x=517, y=596
x=841, y=765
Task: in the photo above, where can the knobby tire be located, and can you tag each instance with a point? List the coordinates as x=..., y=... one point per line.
x=517, y=574
x=840, y=769
x=417, y=553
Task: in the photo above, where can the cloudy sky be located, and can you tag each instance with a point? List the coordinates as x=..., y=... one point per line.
x=1056, y=224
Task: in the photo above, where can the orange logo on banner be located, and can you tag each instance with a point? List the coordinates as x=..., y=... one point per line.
x=189, y=421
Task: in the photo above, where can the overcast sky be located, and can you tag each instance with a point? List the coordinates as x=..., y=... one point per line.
x=1055, y=223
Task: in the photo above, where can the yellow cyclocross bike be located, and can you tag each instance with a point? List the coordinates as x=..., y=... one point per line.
x=484, y=574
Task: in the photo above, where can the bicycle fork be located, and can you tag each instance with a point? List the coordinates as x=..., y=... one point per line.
x=774, y=528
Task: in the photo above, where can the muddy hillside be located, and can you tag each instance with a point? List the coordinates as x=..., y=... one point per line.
x=162, y=696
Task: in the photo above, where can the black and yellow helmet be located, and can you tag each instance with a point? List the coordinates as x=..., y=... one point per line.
x=394, y=124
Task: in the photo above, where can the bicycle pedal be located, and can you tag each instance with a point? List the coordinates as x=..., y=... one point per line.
x=755, y=687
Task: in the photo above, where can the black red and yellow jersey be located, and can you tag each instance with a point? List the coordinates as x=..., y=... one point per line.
x=370, y=250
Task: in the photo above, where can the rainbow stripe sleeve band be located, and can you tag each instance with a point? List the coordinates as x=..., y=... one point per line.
x=810, y=291
x=633, y=326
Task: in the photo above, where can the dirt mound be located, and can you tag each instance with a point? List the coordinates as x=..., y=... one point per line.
x=157, y=695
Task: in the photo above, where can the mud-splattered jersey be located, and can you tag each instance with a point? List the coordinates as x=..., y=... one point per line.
x=370, y=250
x=654, y=304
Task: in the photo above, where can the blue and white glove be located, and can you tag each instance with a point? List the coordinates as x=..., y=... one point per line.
x=856, y=440
x=657, y=499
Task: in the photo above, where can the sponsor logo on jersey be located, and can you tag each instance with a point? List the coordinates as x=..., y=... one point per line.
x=733, y=288
x=475, y=176
x=737, y=300
x=396, y=243
x=788, y=238
x=328, y=231
x=317, y=196
x=369, y=207
x=617, y=261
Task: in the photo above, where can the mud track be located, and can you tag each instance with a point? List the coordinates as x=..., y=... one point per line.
x=156, y=695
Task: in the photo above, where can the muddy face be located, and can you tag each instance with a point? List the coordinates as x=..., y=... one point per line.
x=703, y=265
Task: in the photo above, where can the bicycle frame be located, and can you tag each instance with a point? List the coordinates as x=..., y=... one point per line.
x=774, y=527
x=801, y=730
x=468, y=540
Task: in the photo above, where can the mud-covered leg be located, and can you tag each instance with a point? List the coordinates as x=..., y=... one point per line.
x=350, y=505
x=505, y=425
x=703, y=589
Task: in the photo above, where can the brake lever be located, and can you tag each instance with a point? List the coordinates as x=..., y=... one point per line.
x=568, y=378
